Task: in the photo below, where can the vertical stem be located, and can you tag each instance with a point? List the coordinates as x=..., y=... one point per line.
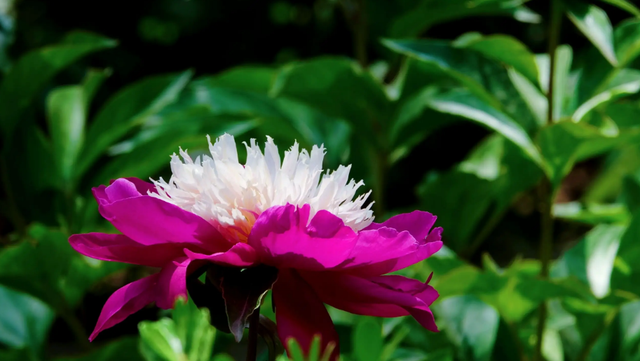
x=355, y=13
x=252, y=347
x=545, y=189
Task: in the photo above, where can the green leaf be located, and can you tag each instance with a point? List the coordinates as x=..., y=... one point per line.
x=471, y=325
x=148, y=152
x=427, y=13
x=629, y=326
x=592, y=259
x=594, y=23
x=24, y=320
x=630, y=84
x=461, y=189
x=35, y=69
x=631, y=192
x=626, y=265
x=128, y=108
x=592, y=213
x=483, y=76
x=479, y=190
x=565, y=143
x=66, y=114
x=596, y=72
x=123, y=349
x=338, y=88
x=160, y=338
x=45, y=266
x=248, y=78
x=187, y=336
x=281, y=118
x=464, y=104
x=505, y=49
x=367, y=340
x=67, y=109
x=624, y=5
x=627, y=41
x=617, y=166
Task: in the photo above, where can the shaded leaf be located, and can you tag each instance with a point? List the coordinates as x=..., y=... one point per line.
x=125, y=349
x=19, y=87
x=429, y=12
x=126, y=109
x=367, y=340
x=24, y=320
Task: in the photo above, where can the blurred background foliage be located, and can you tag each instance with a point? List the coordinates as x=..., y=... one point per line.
x=439, y=105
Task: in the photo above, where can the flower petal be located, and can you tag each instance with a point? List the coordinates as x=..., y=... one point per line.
x=172, y=283
x=418, y=223
x=122, y=188
x=424, y=250
x=384, y=296
x=283, y=237
x=120, y=248
x=378, y=245
x=300, y=314
x=240, y=255
x=149, y=221
x=126, y=301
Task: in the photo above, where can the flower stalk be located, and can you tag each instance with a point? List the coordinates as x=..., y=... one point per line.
x=252, y=347
x=545, y=189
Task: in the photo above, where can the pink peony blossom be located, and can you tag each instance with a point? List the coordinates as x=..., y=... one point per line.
x=286, y=215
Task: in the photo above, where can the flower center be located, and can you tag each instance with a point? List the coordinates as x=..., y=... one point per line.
x=231, y=196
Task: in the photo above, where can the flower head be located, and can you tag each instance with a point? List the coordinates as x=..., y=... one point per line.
x=307, y=226
x=231, y=196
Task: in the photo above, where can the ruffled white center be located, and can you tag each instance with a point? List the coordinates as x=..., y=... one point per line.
x=231, y=195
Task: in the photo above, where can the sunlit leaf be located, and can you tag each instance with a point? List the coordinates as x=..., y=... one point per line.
x=594, y=23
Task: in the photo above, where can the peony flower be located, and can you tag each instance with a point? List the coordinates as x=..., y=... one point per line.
x=285, y=215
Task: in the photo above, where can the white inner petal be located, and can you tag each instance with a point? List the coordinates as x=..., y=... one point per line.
x=231, y=195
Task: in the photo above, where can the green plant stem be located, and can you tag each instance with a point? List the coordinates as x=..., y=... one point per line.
x=355, y=13
x=545, y=190
x=252, y=346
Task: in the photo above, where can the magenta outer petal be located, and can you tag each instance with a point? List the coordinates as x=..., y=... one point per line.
x=172, y=283
x=282, y=238
x=300, y=314
x=120, y=248
x=378, y=245
x=240, y=255
x=418, y=223
x=384, y=296
x=424, y=250
x=143, y=187
x=126, y=301
x=149, y=221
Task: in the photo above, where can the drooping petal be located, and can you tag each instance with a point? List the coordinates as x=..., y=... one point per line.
x=424, y=250
x=126, y=301
x=149, y=221
x=284, y=237
x=120, y=248
x=418, y=223
x=384, y=296
x=172, y=283
x=240, y=255
x=378, y=245
x=300, y=314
